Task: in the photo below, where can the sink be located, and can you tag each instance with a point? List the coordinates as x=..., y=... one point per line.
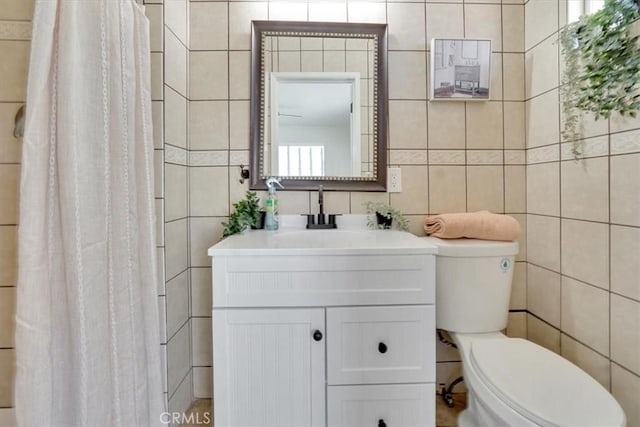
x=323, y=239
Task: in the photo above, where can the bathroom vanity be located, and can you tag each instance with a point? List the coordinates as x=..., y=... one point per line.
x=323, y=328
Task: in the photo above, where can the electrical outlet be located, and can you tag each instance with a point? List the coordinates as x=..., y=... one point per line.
x=394, y=180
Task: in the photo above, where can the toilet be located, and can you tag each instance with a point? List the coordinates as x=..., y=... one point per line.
x=510, y=381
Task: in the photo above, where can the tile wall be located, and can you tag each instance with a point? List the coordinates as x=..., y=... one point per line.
x=454, y=156
x=15, y=33
x=583, y=225
x=169, y=41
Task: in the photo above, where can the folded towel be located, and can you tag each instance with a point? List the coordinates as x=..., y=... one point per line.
x=473, y=225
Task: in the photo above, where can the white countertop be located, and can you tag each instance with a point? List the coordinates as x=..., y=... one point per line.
x=351, y=238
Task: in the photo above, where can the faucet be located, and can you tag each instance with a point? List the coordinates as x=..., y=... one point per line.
x=322, y=221
x=320, y=200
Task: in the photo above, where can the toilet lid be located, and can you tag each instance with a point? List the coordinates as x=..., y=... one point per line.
x=542, y=386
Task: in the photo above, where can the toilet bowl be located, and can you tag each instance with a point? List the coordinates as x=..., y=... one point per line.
x=510, y=381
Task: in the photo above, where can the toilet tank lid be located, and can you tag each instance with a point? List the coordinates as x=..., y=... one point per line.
x=543, y=386
x=473, y=247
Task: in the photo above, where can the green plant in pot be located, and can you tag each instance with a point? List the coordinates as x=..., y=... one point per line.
x=246, y=214
x=382, y=216
x=601, y=67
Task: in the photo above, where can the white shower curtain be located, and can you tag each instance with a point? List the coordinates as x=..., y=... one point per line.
x=87, y=329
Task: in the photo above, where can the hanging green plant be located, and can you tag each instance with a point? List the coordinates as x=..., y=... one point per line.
x=602, y=67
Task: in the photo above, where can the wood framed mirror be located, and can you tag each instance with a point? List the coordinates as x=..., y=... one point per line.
x=319, y=105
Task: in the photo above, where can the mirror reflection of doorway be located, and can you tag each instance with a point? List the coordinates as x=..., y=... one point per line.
x=315, y=124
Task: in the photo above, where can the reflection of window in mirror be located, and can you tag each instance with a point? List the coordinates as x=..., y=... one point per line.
x=297, y=160
x=577, y=8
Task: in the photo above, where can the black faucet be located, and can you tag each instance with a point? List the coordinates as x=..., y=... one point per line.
x=322, y=221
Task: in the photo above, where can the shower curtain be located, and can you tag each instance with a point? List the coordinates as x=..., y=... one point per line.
x=87, y=328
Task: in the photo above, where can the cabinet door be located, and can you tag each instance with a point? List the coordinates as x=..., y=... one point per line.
x=269, y=367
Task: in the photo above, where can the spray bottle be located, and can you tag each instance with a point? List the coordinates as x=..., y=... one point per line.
x=272, y=219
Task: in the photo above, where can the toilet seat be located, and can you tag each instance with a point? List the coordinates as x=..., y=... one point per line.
x=542, y=386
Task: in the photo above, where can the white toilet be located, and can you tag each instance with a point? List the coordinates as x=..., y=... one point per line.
x=510, y=381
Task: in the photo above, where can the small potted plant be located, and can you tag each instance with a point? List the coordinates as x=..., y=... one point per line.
x=247, y=214
x=383, y=217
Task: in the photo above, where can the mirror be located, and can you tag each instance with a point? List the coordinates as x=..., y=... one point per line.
x=319, y=105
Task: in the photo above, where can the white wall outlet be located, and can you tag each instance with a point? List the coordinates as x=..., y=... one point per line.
x=394, y=180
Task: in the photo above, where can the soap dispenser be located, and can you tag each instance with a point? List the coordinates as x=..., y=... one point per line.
x=272, y=219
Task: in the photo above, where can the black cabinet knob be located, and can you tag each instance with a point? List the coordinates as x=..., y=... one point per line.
x=381, y=423
x=382, y=348
x=317, y=335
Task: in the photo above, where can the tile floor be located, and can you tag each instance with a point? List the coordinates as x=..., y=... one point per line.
x=445, y=416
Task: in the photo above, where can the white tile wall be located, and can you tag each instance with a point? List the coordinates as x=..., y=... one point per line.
x=486, y=23
x=201, y=301
x=585, y=314
x=543, y=294
x=585, y=251
x=175, y=105
x=541, y=65
x=517, y=325
x=585, y=189
x=406, y=26
x=541, y=20
x=176, y=247
x=201, y=341
x=177, y=303
x=204, y=232
x=543, y=241
x=407, y=75
x=7, y=313
x=178, y=358
x=183, y=396
x=543, y=188
x=484, y=125
x=625, y=340
x=202, y=382
x=15, y=58
x=625, y=387
x=543, y=118
x=591, y=361
x=625, y=270
x=519, y=287
x=543, y=334
x=7, y=360
x=625, y=189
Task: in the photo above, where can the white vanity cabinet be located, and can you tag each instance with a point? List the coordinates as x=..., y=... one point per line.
x=319, y=337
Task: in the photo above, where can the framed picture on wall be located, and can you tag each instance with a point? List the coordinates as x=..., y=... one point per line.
x=460, y=69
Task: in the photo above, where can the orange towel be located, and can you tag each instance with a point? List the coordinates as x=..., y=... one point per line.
x=473, y=225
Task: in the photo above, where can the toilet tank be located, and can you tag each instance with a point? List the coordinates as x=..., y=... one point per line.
x=473, y=284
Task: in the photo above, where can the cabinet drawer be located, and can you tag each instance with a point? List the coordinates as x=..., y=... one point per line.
x=368, y=345
x=406, y=405
x=323, y=280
